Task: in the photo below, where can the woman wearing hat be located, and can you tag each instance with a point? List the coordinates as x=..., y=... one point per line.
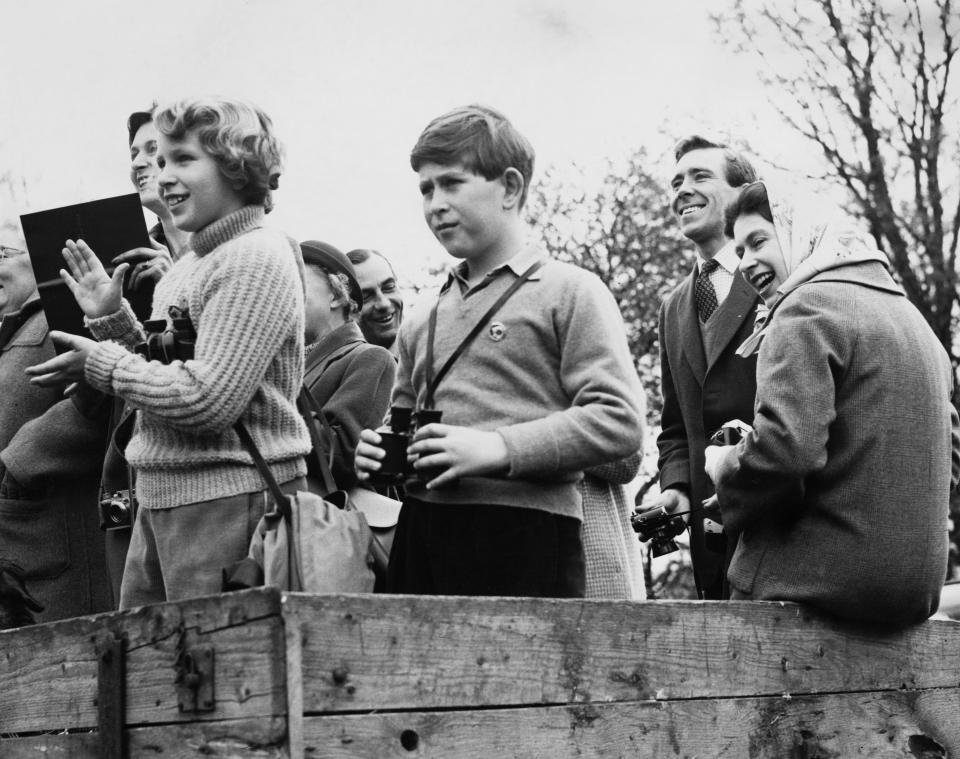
x=350, y=379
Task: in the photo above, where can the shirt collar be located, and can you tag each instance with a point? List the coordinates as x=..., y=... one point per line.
x=348, y=332
x=518, y=265
x=726, y=257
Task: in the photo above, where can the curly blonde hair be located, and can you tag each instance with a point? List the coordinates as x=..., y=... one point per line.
x=237, y=135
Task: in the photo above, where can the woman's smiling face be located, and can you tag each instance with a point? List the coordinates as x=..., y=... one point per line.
x=761, y=259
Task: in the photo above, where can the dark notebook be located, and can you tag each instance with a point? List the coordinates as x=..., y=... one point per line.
x=109, y=226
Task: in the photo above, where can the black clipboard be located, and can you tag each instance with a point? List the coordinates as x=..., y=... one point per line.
x=109, y=226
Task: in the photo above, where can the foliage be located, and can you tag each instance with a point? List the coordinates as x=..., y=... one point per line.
x=869, y=83
x=674, y=580
x=622, y=231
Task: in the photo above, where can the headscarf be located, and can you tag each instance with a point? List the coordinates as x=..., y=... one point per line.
x=814, y=237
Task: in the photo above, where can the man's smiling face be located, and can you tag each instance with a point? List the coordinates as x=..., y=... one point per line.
x=700, y=196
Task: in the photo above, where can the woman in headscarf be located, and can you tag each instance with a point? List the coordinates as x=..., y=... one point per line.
x=840, y=492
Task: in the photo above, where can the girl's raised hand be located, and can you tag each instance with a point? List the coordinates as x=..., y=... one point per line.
x=95, y=291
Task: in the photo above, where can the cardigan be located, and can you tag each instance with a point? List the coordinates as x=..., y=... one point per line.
x=551, y=373
x=242, y=286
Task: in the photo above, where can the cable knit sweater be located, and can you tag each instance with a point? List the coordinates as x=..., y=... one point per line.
x=242, y=284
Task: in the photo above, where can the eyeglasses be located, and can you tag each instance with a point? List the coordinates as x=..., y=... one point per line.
x=8, y=252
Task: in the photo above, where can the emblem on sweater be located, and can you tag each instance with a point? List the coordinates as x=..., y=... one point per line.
x=497, y=331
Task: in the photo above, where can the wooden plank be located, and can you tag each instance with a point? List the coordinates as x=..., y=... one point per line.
x=884, y=725
x=396, y=652
x=260, y=738
x=48, y=673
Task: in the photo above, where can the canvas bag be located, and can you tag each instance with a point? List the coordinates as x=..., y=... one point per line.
x=380, y=511
x=308, y=542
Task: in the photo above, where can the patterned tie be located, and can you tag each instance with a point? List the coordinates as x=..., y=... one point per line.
x=705, y=294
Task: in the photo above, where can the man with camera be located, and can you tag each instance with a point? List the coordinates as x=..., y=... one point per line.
x=702, y=322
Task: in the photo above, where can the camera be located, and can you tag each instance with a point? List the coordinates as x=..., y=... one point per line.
x=730, y=433
x=171, y=342
x=660, y=527
x=116, y=510
x=394, y=467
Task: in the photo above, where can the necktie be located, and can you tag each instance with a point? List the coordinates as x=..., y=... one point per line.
x=705, y=294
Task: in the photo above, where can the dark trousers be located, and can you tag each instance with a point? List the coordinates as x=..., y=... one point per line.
x=485, y=550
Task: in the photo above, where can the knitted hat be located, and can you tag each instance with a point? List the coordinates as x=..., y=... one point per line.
x=325, y=255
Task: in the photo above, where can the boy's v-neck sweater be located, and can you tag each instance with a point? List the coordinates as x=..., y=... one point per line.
x=242, y=285
x=551, y=373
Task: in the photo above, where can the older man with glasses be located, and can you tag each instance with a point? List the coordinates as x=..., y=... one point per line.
x=51, y=451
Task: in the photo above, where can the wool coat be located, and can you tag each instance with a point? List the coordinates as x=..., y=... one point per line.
x=841, y=491
x=702, y=389
x=53, y=447
x=351, y=380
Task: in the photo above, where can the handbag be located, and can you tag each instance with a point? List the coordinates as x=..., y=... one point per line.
x=380, y=511
x=308, y=542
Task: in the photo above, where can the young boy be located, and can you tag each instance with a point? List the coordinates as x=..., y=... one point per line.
x=546, y=389
x=241, y=283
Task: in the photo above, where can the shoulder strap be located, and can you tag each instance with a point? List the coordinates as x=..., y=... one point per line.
x=283, y=503
x=434, y=380
x=313, y=415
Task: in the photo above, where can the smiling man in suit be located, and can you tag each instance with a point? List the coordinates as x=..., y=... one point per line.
x=702, y=322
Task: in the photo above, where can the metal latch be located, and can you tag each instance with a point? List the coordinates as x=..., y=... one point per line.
x=195, y=679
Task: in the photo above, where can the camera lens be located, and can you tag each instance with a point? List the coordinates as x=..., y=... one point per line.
x=116, y=512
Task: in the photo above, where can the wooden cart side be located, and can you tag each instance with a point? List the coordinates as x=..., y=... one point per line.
x=49, y=672
x=410, y=652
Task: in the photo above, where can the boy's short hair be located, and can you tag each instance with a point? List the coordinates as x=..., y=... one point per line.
x=739, y=171
x=752, y=199
x=480, y=138
x=238, y=135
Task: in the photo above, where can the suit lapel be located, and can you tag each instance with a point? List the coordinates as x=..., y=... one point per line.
x=736, y=308
x=689, y=324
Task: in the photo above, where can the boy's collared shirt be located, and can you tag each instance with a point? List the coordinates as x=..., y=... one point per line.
x=518, y=264
x=551, y=373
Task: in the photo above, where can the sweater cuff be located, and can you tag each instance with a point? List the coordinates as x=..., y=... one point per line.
x=530, y=452
x=101, y=362
x=116, y=326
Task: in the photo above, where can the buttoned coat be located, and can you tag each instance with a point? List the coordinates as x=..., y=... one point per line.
x=55, y=452
x=702, y=389
x=841, y=491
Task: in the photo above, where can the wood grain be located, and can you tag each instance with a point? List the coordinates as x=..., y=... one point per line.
x=875, y=725
x=416, y=652
x=48, y=672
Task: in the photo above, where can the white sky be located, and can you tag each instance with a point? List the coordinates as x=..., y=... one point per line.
x=350, y=85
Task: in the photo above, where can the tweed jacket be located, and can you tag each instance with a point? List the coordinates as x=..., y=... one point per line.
x=614, y=562
x=351, y=380
x=54, y=451
x=841, y=491
x=701, y=391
